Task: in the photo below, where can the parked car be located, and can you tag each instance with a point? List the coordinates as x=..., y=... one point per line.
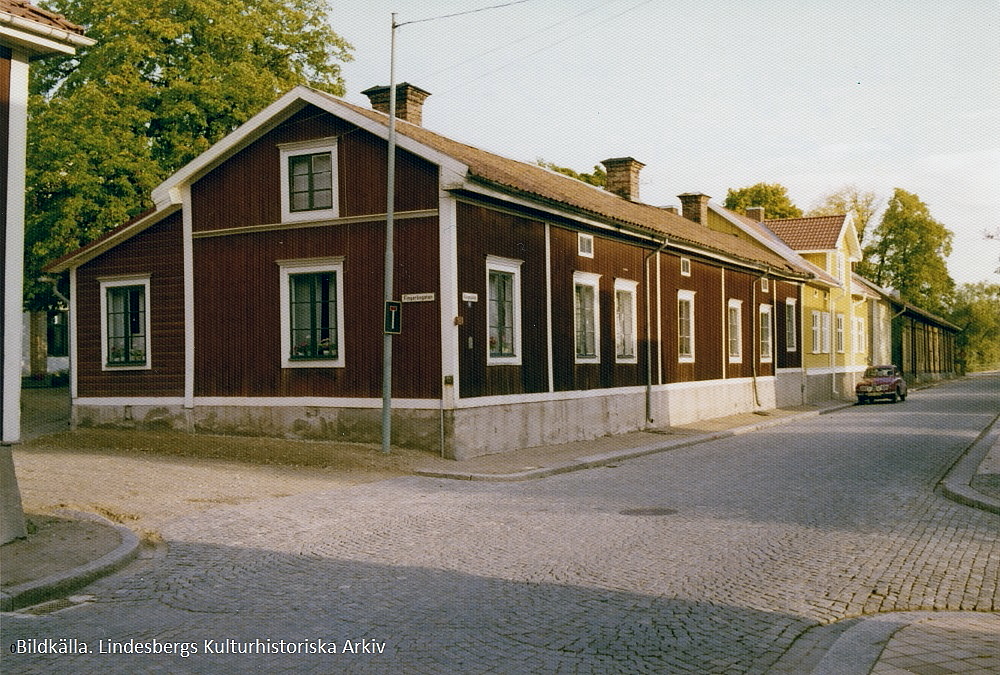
x=881, y=382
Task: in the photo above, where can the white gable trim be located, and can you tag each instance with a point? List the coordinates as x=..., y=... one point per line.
x=166, y=193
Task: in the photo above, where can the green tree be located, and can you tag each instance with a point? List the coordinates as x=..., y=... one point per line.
x=907, y=252
x=862, y=206
x=165, y=80
x=976, y=310
x=599, y=177
x=772, y=196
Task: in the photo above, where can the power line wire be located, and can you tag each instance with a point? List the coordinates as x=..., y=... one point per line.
x=546, y=47
x=509, y=44
x=470, y=11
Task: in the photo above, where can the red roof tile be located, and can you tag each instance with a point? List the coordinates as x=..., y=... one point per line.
x=819, y=233
x=26, y=10
x=562, y=191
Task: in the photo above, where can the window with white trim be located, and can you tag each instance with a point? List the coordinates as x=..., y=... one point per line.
x=860, y=335
x=312, y=313
x=735, y=330
x=685, y=326
x=766, y=335
x=503, y=309
x=309, y=180
x=685, y=267
x=839, y=333
x=586, y=313
x=125, y=328
x=817, y=332
x=625, y=320
x=791, y=332
x=820, y=332
x=765, y=285
x=585, y=245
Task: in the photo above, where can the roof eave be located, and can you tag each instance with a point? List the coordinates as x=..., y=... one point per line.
x=568, y=212
x=110, y=240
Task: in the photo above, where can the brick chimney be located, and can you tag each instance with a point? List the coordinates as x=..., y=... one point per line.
x=694, y=206
x=623, y=177
x=756, y=213
x=409, y=101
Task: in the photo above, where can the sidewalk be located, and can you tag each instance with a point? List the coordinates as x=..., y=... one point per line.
x=923, y=642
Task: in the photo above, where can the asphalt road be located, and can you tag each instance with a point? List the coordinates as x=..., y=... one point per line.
x=710, y=558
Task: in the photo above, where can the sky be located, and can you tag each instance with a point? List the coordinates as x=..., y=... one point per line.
x=716, y=94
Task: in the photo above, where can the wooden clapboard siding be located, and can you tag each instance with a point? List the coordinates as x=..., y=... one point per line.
x=245, y=190
x=158, y=253
x=483, y=232
x=783, y=358
x=237, y=325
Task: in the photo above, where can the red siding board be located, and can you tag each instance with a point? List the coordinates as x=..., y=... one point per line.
x=483, y=232
x=237, y=325
x=246, y=189
x=157, y=252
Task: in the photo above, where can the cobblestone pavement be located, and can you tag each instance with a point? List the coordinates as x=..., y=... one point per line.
x=713, y=558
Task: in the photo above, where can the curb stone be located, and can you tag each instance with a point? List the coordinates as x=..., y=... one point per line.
x=956, y=485
x=34, y=592
x=603, y=459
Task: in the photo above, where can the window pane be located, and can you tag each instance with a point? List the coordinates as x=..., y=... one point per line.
x=311, y=182
x=313, y=321
x=735, y=339
x=126, y=325
x=323, y=199
x=585, y=334
x=624, y=340
x=501, y=313
x=684, y=328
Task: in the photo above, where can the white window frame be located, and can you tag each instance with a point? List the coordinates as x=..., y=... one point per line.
x=839, y=333
x=825, y=332
x=766, y=334
x=685, y=267
x=510, y=266
x=817, y=332
x=593, y=281
x=734, y=334
x=688, y=297
x=288, y=268
x=765, y=285
x=630, y=289
x=585, y=245
x=791, y=325
x=860, y=336
x=119, y=282
x=313, y=147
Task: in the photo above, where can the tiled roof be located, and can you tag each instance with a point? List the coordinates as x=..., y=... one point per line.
x=546, y=188
x=564, y=192
x=26, y=10
x=755, y=226
x=819, y=233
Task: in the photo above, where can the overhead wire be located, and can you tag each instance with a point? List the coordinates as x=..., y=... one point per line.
x=510, y=43
x=541, y=49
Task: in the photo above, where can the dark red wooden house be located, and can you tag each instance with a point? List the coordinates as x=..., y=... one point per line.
x=536, y=309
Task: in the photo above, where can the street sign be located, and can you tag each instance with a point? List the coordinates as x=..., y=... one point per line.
x=393, y=317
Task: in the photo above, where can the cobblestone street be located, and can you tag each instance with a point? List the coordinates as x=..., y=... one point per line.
x=709, y=558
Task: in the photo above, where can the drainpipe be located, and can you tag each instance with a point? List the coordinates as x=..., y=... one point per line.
x=649, y=328
x=833, y=352
x=754, y=341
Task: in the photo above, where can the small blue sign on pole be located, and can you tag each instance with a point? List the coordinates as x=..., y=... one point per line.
x=393, y=317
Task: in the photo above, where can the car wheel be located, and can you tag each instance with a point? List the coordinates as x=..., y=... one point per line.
x=902, y=397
